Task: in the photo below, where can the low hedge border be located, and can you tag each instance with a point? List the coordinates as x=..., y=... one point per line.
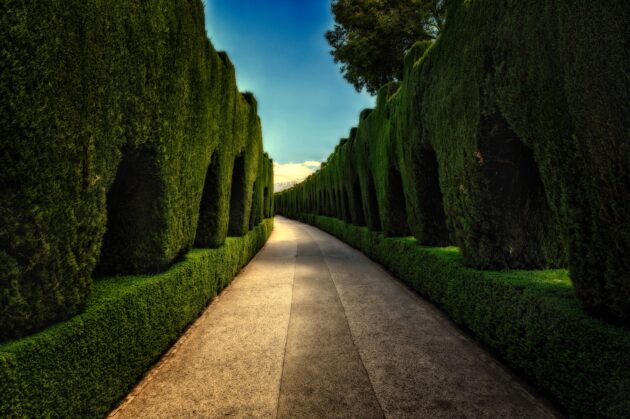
x=84, y=366
x=531, y=319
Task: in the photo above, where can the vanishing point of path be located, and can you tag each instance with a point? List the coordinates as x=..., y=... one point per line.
x=313, y=328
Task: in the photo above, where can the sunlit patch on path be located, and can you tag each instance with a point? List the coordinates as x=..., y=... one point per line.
x=312, y=328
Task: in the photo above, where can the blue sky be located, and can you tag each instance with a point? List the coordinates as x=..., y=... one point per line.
x=280, y=54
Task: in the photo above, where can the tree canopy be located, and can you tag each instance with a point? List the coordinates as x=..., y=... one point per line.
x=370, y=37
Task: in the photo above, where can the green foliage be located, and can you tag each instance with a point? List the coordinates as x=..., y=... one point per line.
x=370, y=37
x=245, y=167
x=263, y=191
x=84, y=366
x=212, y=228
x=531, y=320
x=509, y=138
x=495, y=181
x=50, y=222
x=119, y=128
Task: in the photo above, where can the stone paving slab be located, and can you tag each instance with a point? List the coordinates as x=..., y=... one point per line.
x=323, y=374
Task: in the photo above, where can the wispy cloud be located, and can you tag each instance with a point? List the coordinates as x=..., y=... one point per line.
x=287, y=174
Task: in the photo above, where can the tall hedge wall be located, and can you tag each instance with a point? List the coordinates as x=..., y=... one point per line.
x=508, y=137
x=120, y=126
x=263, y=191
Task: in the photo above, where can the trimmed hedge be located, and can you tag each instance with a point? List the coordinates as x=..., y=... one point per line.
x=120, y=126
x=530, y=319
x=263, y=191
x=245, y=167
x=84, y=366
x=507, y=136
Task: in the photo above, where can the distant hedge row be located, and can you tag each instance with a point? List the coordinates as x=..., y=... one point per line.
x=532, y=320
x=508, y=137
x=121, y=130
x=82, y=367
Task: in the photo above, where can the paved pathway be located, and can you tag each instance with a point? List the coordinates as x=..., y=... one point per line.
x=313, y=328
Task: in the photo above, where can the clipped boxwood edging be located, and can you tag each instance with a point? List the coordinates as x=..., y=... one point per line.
x=82, y=367
x=530, y=319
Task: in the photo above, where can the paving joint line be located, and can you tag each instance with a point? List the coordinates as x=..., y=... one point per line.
x=354, y=343
x=286, y=335
x=524, y=387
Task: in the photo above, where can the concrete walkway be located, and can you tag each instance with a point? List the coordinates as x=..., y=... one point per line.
x=313, y=328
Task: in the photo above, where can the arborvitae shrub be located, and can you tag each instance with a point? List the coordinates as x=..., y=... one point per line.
x=109, y=115
x=261, y=208
x=519, y=112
